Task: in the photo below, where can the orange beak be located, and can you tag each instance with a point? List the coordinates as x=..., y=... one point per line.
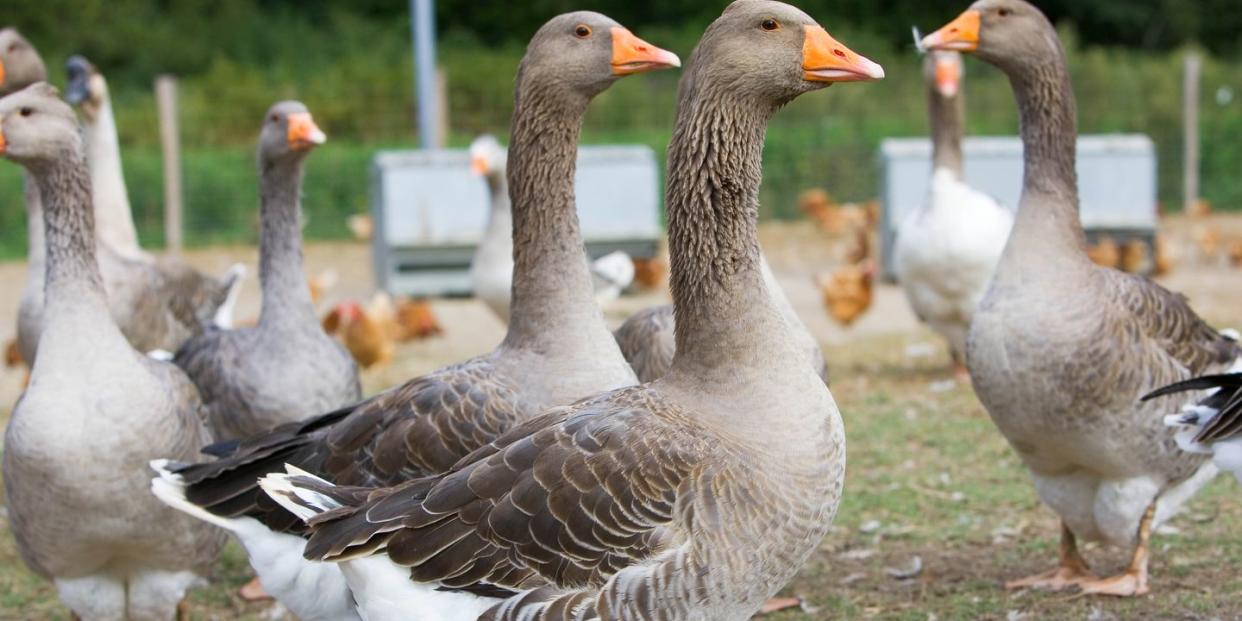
x=826, y=60
x=303, y=133
x=1, y=72
x=478, y=165
x=948, y=76
x=2, y=143
x=632, y=55
x=961, y=34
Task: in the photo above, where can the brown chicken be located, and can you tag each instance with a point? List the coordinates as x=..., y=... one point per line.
x=12, y=355
x=1135, y=257
x=416, y=320
x=1235, y=252
x=1208, y=239
x=1105, y=252
x=368, y=340
x=834, y=218
x=847, y=291
x=650, y=273
x=1166, y=258
x=321, y=284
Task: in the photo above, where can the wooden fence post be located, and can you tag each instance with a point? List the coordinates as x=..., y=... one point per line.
x=170, y=146
x=1190, y=132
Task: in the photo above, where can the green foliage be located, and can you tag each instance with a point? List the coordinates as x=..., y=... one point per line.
x=351, y=64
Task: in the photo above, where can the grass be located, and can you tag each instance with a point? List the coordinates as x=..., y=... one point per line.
x=928, y=477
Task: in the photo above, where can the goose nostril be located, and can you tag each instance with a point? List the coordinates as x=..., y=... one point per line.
x=839, y=53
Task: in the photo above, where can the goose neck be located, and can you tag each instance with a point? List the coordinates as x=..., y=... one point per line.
x=113, y=217
x=725, y=318
x=72, y=273
x=947, y=125
x=1047, y=224
x=286, y=296
x=35, y=247
x=552, y=289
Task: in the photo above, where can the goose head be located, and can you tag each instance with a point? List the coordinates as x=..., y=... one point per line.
x=20, y=64
x=1006, y=33
x=289, y=132
x=776, y=52
x=86, y=87
x=487, y=156
x=943, y=71
x=37, y=128
x=580, y=54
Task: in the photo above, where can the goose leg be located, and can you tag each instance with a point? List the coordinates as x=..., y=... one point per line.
x=1133, y=581
x=1072, y=570
x=253, y=591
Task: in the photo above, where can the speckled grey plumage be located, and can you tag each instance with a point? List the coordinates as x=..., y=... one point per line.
x=1061, y=350
x=647, y=337
x=94, y=413
x=692, y=497
x=285, y=368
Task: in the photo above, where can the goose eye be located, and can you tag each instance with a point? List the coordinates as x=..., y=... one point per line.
x=582, y=31
x=12, y=47
x=26, y=111
x=275, y=118
x=769, y=24
x=1004, y=12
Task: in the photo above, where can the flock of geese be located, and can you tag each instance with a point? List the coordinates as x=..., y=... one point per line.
x=541, y=480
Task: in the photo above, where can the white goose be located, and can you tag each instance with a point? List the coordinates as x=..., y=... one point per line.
x=947, y=249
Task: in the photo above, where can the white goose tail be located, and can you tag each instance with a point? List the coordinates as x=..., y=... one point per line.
x=311, y=590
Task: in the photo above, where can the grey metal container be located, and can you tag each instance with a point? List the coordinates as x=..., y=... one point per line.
x=1116, y=182
x=429, y=211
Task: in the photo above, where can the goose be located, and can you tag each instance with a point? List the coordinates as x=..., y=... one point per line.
x=21, y=66
x=557, y=348
x=696, y=496
x=648, y=343
x=947, y=249
x=1060, y=349
x=95, y=411
x=491, y=268
x=206, y=300
x=151, y=312
x=285, y=367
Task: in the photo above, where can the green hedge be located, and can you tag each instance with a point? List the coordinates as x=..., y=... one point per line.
x=363, y=102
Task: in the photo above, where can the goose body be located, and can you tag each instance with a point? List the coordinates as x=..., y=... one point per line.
x=94, y=413
x=1061, y=350
x=285, y=368
x=673, y=499
x=557, y=348
x=947, y=249
x=946, y=252
x=491, y=268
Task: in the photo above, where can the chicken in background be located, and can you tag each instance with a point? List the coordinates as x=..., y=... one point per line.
x=1234, y=252
x=847, y=291
x=365, y=336
x=651, y=273
x=371, y=333
x=1135, y=257
x=417, y=320
x=1166, y=256
x=1105, y=252
x=834, y=218
x=12, y=355
x=1208, y=239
